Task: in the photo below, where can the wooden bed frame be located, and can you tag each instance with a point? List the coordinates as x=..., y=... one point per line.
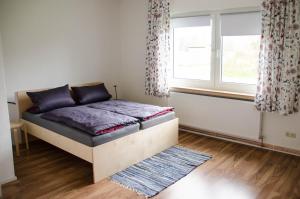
x=110, y=157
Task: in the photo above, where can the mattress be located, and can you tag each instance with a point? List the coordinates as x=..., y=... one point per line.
x=78, y=135
x=157, y=120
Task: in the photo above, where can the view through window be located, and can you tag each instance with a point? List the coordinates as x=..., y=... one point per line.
x=217, y=51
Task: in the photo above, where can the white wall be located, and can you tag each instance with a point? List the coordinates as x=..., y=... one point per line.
x=133, y=34
x=133, y=51
x=232, y=117
x=7, y=172
x=53, y=42
x=275, y=126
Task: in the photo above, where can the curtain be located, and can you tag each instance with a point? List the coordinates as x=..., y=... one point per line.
x=278, y=85
x=158, y=48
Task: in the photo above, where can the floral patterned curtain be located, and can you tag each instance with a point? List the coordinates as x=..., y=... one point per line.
x=278, y=85
x=158, y=48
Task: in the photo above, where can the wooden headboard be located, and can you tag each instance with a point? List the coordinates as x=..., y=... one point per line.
x=24, y=103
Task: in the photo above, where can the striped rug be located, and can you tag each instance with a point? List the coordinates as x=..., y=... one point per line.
x=151, y=176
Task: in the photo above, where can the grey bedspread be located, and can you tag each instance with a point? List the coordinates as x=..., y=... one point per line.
x=137, y=110
x=90, y=120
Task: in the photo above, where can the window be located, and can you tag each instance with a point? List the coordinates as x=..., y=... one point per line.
x=240, y=36
x=192, y=48
x=240, y=58
x=217, y=51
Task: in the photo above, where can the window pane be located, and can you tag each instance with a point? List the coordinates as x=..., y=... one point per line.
x=192, y=52
x=240, y=58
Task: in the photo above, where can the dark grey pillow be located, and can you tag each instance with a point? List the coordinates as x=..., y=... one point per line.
x=48, y=100
x=90, y=94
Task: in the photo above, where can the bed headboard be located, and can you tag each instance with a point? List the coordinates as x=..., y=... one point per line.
x=23, y=101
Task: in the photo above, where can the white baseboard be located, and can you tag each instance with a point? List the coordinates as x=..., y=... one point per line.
x=240, y=140
x=13, y=178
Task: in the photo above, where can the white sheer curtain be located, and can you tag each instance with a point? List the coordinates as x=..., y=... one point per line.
x=158, y=48
x=278, y=85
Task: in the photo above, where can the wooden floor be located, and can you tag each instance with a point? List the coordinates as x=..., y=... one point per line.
x=235, y=172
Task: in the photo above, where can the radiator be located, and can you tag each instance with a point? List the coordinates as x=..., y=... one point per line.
x=220, y=115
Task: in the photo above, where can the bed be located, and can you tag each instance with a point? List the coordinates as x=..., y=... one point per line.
x=108, y=153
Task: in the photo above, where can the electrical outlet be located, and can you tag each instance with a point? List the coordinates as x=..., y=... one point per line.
x=290, y=135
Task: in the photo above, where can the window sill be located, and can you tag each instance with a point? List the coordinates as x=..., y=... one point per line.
x=214, y=93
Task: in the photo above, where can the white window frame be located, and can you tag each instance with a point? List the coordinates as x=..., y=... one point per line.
x=215, y=82
x=197, y=83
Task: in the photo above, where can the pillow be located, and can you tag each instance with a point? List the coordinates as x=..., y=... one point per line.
x=90, y=94
x=48, y=100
